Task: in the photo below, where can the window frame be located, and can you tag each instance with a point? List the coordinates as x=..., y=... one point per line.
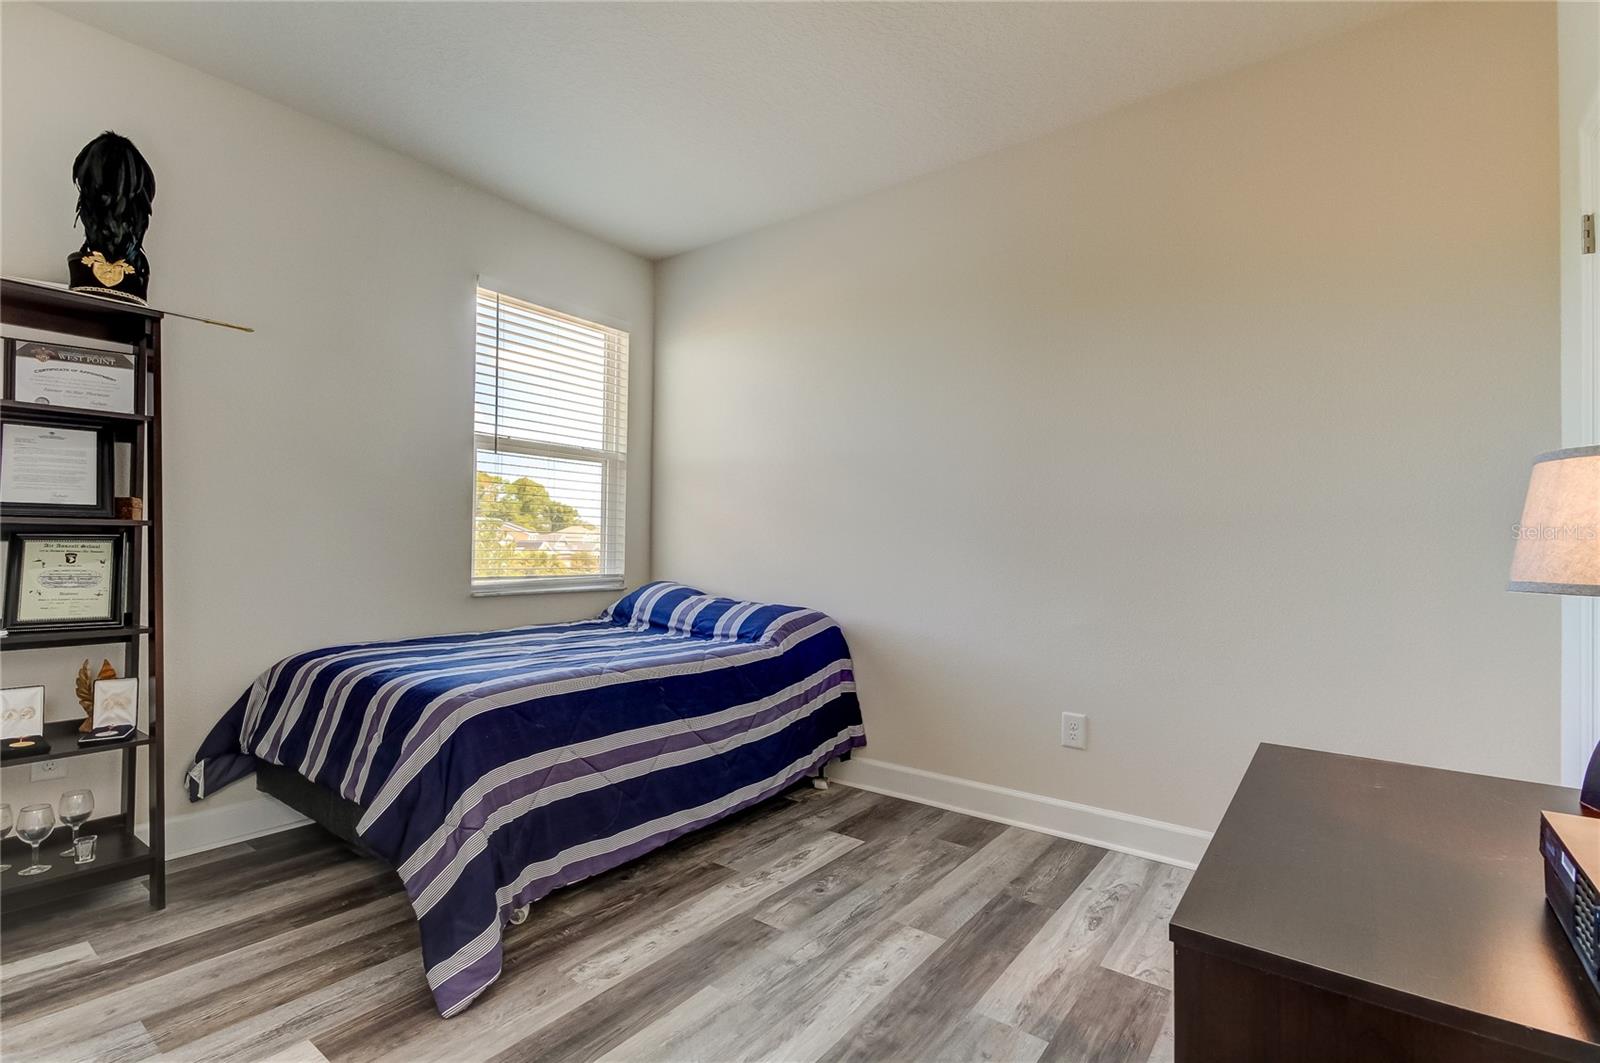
x=613, y=469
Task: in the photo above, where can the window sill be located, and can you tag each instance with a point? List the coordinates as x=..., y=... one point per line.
x=549, y=586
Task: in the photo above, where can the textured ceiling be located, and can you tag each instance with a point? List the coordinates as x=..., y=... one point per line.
x=665, y=126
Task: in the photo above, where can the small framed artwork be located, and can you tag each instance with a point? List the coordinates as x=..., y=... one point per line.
x=50, y=468
x=22, y=721
x=116, y=703
x=63, y=581
x=83, y=378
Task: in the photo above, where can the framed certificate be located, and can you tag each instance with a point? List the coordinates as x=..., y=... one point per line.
x=53, y=468
x=56, y=581
x=83, y=378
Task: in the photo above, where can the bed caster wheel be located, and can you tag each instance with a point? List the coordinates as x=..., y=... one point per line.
x=819, y=783
x=519, y=915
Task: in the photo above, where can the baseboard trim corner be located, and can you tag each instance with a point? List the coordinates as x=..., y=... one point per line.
x=1152, y=839
x=212, y=828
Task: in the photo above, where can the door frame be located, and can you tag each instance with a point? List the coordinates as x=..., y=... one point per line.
x=1580, y=616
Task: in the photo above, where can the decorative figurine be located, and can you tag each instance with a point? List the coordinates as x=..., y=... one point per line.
x=84, y=688
x=116, y=188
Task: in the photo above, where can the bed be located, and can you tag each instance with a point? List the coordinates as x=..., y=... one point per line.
x=491, y=768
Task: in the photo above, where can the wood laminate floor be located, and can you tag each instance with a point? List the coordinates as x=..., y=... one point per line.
x=823, y=925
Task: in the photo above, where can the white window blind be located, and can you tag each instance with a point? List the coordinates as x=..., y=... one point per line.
x=550, y=419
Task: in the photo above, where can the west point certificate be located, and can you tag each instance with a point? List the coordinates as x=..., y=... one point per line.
x=44, y=465
x=66, y=580
x=52, y=375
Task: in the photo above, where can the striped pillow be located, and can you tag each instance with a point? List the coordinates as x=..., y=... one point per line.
x=673, y=607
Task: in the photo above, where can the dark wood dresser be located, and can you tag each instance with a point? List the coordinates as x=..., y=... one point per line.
x=1361, y=911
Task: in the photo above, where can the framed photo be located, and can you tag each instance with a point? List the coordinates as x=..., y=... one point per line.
x=116, y=703
x=80, y=378
x=51, y=468
x=21, y=712
x=63, y=580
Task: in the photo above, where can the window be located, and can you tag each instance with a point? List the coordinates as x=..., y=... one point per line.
x=550, y=420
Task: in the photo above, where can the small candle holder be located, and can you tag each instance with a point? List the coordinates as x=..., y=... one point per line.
x=83, y=848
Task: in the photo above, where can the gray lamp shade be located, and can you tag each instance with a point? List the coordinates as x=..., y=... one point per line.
x=1558, y=539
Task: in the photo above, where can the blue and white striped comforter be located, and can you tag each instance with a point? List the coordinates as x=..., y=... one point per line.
x=498, y=766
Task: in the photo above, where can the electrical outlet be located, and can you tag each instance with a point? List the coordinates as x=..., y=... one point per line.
x=1074, y=730
x=46, y=770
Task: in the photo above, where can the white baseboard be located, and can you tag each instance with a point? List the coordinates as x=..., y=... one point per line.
x=212, y=828
x=1152, y=839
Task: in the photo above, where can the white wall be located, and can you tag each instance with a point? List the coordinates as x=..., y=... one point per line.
x=319, y=471
x=1209, y=418
x=1578, y=33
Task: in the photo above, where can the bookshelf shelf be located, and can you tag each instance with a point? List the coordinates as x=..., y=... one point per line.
x=38, y=307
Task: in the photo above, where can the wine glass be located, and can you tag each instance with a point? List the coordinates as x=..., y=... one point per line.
x=34, y=824
x=76, y=807
x=5, y=828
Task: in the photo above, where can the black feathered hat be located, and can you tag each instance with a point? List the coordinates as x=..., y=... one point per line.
x=116, y=189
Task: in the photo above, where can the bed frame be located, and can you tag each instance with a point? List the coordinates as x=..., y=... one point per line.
x=339, y=816
x=335, y=814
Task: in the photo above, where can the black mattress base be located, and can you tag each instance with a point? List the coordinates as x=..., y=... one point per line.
x=335, y=814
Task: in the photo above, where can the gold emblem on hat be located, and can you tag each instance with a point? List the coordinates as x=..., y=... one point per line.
x=110, y=274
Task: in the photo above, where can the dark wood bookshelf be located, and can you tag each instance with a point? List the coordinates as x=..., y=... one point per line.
x=71, y=414
x=93, y=320
x=119, y=855
x=32, y=521
x=63, y=737
x=70, y=636
x=57, y=309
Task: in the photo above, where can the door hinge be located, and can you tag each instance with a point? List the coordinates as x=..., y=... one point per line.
x=1588, y=234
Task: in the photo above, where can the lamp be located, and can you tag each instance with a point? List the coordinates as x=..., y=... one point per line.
x=1558, y=546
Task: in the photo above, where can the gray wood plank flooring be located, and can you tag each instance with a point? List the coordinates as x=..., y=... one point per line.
x=820, y=927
